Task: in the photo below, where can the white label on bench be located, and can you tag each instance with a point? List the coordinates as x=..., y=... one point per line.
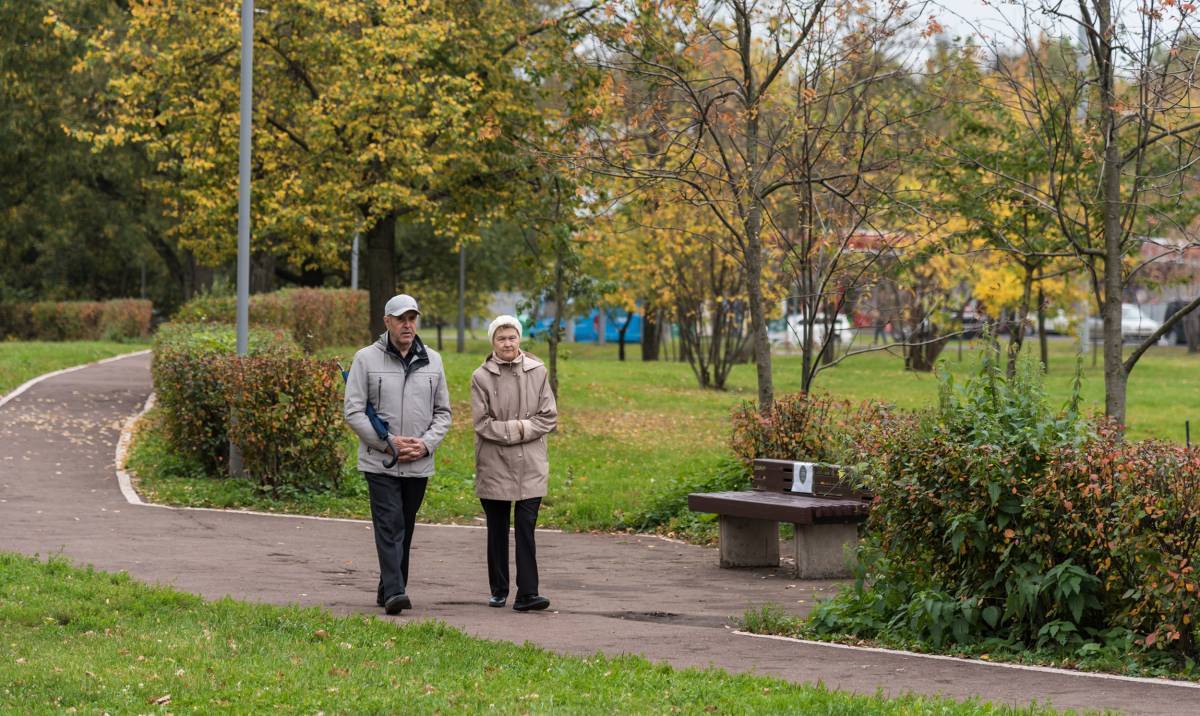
x=802, y=477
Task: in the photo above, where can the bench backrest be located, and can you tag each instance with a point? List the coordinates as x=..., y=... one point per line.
x=779, y=476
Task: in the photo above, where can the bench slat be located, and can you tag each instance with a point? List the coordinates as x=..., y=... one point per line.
x=779, y=507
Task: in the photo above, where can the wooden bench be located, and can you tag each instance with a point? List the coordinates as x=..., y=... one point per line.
x=824, y=509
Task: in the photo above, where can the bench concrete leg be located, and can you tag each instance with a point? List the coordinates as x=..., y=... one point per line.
x=821, y=550
x=748, y=543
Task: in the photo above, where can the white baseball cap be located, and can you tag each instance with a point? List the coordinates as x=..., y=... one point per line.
x=400, y=304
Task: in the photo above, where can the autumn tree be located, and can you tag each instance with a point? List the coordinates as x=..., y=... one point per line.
x=705, y=111
x=1116, y=118
x=366, y=115
x=746, y=108
x=844, y=130
x=76, y=223
x=980, y=145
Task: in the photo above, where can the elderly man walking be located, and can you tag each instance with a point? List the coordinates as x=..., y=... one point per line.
x=405, y=382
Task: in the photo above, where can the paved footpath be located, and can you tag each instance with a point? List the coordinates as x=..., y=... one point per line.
x=611, y=593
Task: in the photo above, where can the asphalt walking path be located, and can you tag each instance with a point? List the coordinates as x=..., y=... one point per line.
x=618, y=594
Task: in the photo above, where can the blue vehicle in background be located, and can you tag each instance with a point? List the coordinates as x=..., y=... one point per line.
x=586, y=327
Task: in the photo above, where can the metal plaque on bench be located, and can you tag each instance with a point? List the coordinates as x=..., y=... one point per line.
x=802, y=478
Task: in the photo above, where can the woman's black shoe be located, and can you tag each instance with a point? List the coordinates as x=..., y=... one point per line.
x=396, y=603
x=496, y=601
x=530, y=603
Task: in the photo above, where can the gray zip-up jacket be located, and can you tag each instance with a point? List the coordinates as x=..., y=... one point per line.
x=415, y=403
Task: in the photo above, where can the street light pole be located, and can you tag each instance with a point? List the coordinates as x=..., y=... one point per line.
x=461, y=343
x=243, y=258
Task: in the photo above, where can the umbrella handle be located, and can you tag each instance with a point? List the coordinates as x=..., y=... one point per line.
x=392, y=452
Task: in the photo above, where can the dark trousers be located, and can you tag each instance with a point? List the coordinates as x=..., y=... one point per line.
x=394, y=505
x=526, y=512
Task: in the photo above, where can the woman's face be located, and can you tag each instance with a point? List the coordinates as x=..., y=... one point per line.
x=506, y=343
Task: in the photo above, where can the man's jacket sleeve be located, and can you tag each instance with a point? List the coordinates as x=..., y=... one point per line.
x=355, y=406
x=441, y=415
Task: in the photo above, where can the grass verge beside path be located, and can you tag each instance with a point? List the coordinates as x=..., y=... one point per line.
x=80, y=640
x=634, y=438
x=1127, y=660
x=23, y=360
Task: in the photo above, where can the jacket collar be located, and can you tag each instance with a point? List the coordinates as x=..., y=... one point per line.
x=417, y=353
x=528, y=362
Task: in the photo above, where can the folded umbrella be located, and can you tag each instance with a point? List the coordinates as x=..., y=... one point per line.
x=379, y=424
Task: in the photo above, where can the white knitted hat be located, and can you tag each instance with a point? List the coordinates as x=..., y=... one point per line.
x=501, y=322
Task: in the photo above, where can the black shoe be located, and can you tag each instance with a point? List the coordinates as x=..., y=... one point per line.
x=530, y=603
x=397, y=602
x=496, y=601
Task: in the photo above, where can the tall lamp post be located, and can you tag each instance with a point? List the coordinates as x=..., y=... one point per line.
x=243, y=257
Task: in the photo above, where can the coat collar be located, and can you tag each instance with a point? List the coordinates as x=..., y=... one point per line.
x=528, y=363
x=417, y=354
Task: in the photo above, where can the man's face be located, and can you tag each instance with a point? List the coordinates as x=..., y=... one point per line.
x=402, y=328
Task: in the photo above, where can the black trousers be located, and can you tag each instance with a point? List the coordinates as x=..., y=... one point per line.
x=394, y=505
x=526, y=512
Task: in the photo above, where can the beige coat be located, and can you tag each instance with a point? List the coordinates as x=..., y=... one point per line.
x=513, y=409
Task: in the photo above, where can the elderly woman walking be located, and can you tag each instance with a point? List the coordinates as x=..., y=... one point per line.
x=513, y=409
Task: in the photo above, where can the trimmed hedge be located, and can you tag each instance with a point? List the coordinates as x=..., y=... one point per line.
x=189, y=369
x=287, y=420
x=116, y=320
x=316, y=317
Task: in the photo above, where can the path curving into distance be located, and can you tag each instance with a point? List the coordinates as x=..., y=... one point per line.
x=59, y=493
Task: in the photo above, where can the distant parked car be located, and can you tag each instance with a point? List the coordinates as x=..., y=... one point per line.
x=790, y=331
x=1135, y=325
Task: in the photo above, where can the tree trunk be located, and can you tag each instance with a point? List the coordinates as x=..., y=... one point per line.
x=651, y=334
x=924, y=349
x=1115, y=377
x=753, y=218
x=1043, y=345
x=556, y=325
x=621, y=335
x=1191, y=332
x=1016, y=334
x=381, y=268
x=262, y=272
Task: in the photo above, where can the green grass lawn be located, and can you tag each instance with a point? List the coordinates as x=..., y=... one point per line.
x=22, y=360
x=76, y=640
x=635, y=437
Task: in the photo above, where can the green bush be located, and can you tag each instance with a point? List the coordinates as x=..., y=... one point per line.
x=316, y=317
x=1130, y=512
x=189, y=368
x=801, y=426
x=1003, y=523
x=116, y=320
x=125, y=319
x=955, y=550
x=16, y=321
x=287, y=420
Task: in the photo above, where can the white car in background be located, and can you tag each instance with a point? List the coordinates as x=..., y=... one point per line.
x=1135, y=325
x=789, y=332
